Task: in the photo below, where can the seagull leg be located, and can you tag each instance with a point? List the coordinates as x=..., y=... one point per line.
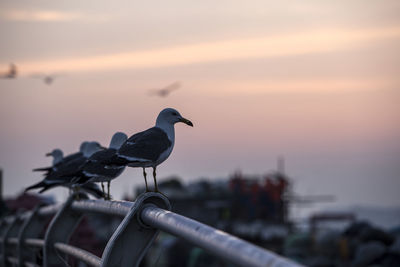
x=155, y=180
x=102, y=188
x=108, y=187
x=145, y=179
x=76, y=190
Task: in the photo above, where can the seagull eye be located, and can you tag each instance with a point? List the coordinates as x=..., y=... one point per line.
x=174, y=113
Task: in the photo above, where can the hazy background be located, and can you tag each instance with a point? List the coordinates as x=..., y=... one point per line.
x=314, y=81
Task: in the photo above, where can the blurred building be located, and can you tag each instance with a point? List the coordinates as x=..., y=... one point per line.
x=251, y=207
x=26, y=201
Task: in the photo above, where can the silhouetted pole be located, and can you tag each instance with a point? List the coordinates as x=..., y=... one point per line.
x=285, y=203
x=1, y=184
x=281, y=165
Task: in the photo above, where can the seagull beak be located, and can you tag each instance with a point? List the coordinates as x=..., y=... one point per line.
x=186, y=121
x=49, y=154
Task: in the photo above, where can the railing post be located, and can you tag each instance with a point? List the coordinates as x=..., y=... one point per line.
x=31, y=228
x=60, y=229
x=132, y=239
x=11, y=230
x=3, y=225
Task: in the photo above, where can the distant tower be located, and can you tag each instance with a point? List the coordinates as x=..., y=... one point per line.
x=281, y=165
x=284, y=215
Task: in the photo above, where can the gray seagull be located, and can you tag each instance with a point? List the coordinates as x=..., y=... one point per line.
x=151, y=147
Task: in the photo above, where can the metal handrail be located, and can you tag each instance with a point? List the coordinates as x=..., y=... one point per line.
x=115, y=208
x=142, y=220
x=42, y=212
x=12, y=260
x=49, y=210
x=78, y=253
x=34, y=242
x=213, y=240
x=12, y=241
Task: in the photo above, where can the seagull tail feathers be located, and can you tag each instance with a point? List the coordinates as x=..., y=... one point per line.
x=35, y=186
x=47, y=187
x=93, y=190
x=46, y=169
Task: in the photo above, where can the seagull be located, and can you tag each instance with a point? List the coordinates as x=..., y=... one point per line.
x=165, y=91
x=46, y=77
x=151, y=147
x=58, y=157
x=96, y=168
x=12, y=72
x=64, y=172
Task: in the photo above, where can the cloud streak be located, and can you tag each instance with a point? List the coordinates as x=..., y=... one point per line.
x=48, y=16
x=322, y=41
x=328, y=85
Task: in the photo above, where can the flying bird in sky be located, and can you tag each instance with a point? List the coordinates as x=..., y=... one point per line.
x=11, y=73
x=48, y=78
x=165, y=91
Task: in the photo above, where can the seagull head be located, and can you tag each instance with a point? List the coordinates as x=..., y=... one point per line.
x=57, y=155
x=171, y=116
x=117, y=140
x=83, y=146
x=92, y=148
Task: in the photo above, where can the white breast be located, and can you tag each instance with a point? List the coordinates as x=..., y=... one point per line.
x=164, y=155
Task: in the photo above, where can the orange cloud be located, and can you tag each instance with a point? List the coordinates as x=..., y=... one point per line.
x=330, y=85
x=321, y=41
x=47, y=16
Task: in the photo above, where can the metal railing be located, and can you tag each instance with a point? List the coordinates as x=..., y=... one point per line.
x=141, y=222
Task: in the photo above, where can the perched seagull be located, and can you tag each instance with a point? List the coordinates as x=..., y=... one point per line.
x=64, y=173
x=57, y=155
x=11, y=73
x=58, y=158
x=96, y=168
x=151, y=147
x=164, y=92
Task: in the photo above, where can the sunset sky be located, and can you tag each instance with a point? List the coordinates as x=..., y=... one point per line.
x=314, y=81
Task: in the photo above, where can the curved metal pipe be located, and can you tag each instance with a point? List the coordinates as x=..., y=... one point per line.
x=213, y=240
x=79, y=254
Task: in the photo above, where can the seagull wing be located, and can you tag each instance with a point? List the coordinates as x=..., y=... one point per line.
x=65, y=172
x=171, y=87
x=64, y=161
x=145, y=146
x=93, y=189
x=71, y=157
x=98, y=164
